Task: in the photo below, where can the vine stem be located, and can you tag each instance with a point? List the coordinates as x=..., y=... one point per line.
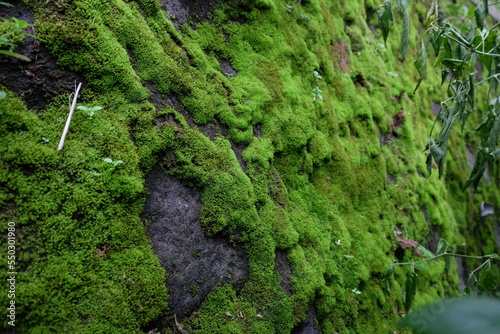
x=68, y=121
x=436, y=256
x=488, y=78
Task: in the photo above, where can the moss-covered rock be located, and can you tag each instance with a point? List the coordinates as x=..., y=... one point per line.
x=296, y=123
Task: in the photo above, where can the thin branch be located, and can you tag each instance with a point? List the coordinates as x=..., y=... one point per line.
x=435, y=257
x=488, y=78
x=66, y=127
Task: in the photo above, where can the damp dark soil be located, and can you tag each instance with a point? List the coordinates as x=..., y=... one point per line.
x=182, y=11
x=39, y=80
x=194, y=263
x=309, y=325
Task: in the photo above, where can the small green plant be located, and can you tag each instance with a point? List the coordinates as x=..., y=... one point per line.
x=90, y=111
x=316, y=92
x=289, y=8
x=11, y=34
x=45, y=140
x=317, y=76
x=482, y=280
x=115, y=163
x=3, y=95
x=458, y=50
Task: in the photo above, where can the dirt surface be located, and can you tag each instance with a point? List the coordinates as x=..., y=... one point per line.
x=308, y=326
x=285, y=271
x=340, y=52
x=39, y=80
x=182, y=11
x=194, y=263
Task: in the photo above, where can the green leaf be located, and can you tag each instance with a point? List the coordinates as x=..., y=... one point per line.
x=442, y=244
x=108, y=160
x=20, y=23
x=489, y=43
x=96, y=108
x=480, y=14
x=480, y=164
x=6, y=4
x=457, y=64
x=424, y=251
x=385, y=19
x=3, y=95
x=387, y=279
x=487, y=281
x=433, y=13
x=410, y=289
x=421, y=65
x=440, y=148
x=460, y=107
x=428, y=162
x=456, y=315
x=489, y=132
x=13, y=54
x=403, y=4
x=438, y=154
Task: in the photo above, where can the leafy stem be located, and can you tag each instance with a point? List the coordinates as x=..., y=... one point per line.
x=489, y=257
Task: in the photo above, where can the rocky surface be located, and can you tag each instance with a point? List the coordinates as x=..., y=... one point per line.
x=194, y=263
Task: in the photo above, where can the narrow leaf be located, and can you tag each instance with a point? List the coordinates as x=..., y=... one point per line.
x=421, y=65
x=385, y=19
x=20, y=23
x=436, y=40
x=449, y=119
x=480, y=164
x=403, y=4
x=457, y=64
x=410, y=289
x=441, y=244
x=479, y=12
x=424, y=251
x=433, y=13
x=387, y=279
x=13, y=54
x=389, y=273
x=428, y=162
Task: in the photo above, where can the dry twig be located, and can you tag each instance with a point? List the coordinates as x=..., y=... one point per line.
x=66, y=127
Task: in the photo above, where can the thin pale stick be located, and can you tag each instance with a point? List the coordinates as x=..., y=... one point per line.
x=66, y=127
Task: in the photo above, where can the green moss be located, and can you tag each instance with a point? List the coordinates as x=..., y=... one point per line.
x=314, y=181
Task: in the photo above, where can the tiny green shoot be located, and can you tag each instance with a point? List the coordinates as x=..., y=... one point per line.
x=115, y=163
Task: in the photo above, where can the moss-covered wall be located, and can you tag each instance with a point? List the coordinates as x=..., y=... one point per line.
x=328, y=180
